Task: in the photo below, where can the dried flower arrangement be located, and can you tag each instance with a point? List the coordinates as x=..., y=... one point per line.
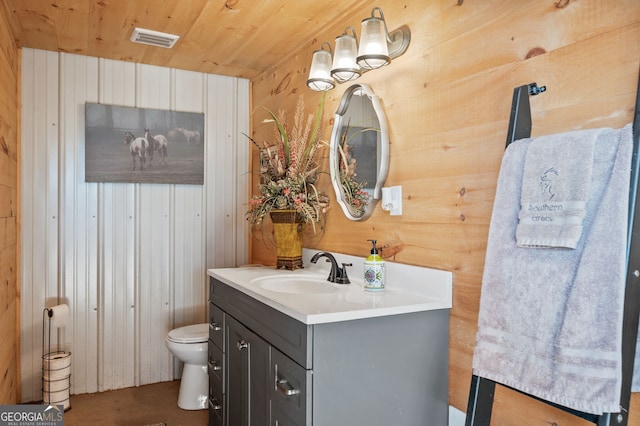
x=289, y=168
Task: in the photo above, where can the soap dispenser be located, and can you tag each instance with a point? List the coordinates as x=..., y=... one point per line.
x=374, y=272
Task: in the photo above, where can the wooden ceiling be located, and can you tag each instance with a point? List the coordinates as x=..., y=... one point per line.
x=240, y=38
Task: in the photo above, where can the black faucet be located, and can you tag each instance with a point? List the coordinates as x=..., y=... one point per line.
x=337, y=274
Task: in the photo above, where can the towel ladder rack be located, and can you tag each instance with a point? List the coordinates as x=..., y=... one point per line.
x=482, y=390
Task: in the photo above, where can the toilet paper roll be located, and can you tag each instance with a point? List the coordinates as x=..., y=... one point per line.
x=56, y=385
x=59, y=315
x=56, y=361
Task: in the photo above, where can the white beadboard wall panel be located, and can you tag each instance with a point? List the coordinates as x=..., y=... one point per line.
x=190, y=272
x=129, y=259
x=116, y=285
x=226, y=140
x=154, y=283
x=189, y=251
x=154, y=224
x=79, y=267
x=243, y=172
x=39, y=209
x=117, y=256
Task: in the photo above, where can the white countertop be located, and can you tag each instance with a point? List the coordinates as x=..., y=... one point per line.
x=408, y=289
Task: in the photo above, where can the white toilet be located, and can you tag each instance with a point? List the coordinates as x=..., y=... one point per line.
x=189, y=345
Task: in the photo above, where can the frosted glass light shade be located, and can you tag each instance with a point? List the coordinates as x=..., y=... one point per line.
x=373, y=52
x=320, y=78
x=344, y=66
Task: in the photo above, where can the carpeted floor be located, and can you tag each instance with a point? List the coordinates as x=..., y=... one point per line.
x=147, y=405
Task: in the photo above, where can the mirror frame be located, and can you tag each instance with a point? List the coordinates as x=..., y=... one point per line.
x=383, y=146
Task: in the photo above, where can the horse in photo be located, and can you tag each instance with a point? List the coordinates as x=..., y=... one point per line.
x=157, y=143
x=138, y=148
x=192, y=136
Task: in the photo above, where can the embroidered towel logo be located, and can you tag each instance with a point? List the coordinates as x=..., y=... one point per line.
x=544, y=212
x=558, y=213
x=547, y=183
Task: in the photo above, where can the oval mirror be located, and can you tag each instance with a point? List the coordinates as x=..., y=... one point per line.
x=359, y=153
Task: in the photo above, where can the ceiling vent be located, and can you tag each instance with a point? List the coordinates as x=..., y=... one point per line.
x=153, y=38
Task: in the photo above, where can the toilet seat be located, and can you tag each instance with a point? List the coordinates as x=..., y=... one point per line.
x=198, y=333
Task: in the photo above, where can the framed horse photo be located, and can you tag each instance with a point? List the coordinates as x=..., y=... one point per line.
x=143, y=145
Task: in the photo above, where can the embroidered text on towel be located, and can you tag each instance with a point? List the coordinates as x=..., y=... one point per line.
x=549, y=213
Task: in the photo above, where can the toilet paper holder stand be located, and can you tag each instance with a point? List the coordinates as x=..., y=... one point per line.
x=56, y=365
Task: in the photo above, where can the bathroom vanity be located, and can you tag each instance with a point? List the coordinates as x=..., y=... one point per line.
x=290, y=348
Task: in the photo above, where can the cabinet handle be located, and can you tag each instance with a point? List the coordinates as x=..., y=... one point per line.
x=215, y=326
x=213, y=403
x=215, y=366
x=241, y=344
x=285, y=387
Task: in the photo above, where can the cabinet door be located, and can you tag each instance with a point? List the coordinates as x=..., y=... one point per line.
x=290, y=391
x=248, y=360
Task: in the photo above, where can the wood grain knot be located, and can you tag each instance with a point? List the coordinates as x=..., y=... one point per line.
x=4, y=146
x=536, y=51
x=390, y=249
x=284, y=83
x=230, y=4
x=462, y=191
x=561, y=4
x=462, y=218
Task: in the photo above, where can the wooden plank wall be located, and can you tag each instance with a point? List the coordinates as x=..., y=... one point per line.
x=130, y=260
x=9, y=212
x=447, y=101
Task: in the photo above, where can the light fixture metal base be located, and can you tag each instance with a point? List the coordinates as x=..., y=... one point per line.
x=399, y=41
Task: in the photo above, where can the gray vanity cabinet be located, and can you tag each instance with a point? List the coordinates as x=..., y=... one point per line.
x=276, y=370
x=248, y=364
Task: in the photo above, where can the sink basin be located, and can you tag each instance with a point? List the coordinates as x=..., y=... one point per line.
x=295, y=284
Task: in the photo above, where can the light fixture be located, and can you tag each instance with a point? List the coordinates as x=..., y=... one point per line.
x=320, y=78
x=377, y=48
x=344, y=66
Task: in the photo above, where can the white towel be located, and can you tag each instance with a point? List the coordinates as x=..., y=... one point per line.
x=555, y=188
x=550, y=321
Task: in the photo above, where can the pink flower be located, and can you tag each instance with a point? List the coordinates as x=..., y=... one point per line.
x=287, y=191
